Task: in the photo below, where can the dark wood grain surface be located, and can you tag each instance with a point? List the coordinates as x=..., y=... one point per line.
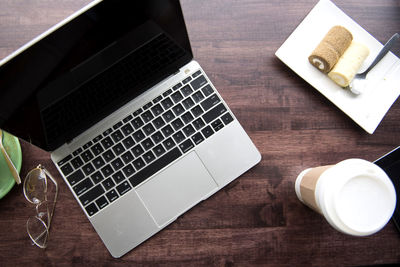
x=257, y=220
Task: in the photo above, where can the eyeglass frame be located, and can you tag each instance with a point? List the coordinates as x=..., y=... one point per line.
x=45, y=201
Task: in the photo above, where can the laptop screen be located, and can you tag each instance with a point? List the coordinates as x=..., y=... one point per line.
x=92, y=65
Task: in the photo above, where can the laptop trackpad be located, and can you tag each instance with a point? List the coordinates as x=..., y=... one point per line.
x=177, y=188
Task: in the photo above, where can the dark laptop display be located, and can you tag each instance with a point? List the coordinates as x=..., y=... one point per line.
x=89, y=67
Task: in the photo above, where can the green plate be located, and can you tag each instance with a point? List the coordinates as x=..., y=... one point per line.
x=13, y=148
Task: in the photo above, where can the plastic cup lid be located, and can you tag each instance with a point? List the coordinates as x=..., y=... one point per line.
x=361, y=198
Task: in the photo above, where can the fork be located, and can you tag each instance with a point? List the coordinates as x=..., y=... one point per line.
x=361, y=76
x=11, y=166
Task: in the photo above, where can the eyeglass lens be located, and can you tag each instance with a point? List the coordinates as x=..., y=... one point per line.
x=37, y=230
x=35, y=186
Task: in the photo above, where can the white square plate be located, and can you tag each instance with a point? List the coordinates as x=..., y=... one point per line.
x=383, y=81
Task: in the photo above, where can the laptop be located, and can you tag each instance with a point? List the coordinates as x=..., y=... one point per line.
x=134, y=125
x=390, y=163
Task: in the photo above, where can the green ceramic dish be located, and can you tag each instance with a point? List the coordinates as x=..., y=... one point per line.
x=13, y=148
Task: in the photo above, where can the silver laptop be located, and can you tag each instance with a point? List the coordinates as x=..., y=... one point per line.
x=135, y=126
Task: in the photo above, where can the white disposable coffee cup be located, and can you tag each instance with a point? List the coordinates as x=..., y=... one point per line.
x=355, y=196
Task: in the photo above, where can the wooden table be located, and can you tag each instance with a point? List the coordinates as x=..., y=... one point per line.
x=257, y=220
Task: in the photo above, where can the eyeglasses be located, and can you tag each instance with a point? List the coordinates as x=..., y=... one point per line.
x=36, y=192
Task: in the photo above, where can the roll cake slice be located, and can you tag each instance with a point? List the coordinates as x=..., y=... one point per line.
x=349, y=64
x=331, y=48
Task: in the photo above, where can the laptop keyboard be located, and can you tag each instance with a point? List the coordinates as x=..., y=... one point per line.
x=144, y=142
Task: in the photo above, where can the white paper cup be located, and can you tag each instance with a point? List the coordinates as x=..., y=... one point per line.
x=355, y=196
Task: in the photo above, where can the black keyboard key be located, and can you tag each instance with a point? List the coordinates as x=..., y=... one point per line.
x=186, y=90
x=177, y=96
x=137, y=122
x=207, y=131
x=139, y=163
x=127, y=129
x=117, y=136
x=112, y=195
x=97, y=149
x=148, y=157
x=67, y=169
x=107, y=132
x=227, y=118
x=147, y=116
x=137, y=112
x=188, y=103
x=167, y=103
x=197, y=111
x=167, y=93
x=77, y=162
x=108, y=184
x=118, y=149
x=168, y=116
x=83, y=186
x=147, y=143
x=178, y=109
x=75, y=177
x=198, y=96
x=199, y=82
x=118, y=177
x=207, y=90
x=197, y=138
x=107, y=170
x=188, y=79
x=157, y=110
x=157, y=137
x=128, y=142
x=159, y=122
x=187, y=117
x=147, y=106
x=87, y=145
x=91, y=209
x=137, y=150
x=214, y=113
x=158, y=150
x=138, y=136
x=64, y=160
x=127, y=118
x=177, y=124
x=157, y=99
x=210, y=102
x=217, y=125
x=117, y=164
x=107, y=142
x=123, y=188
x=91, y=195
x=148, y=129
x=117, y=125
x=186, y=145
x=128, y=170
x=108, y=155
x=188, y=130
x=75, y=153
x=127, y=157
x=101, y=202
x=167, y=130
x=98, y=162
x=87, y=155
x=169, y=143
x=97, y=177
x=178, y=137
x=88, y=168
x=176, y=87
x=197, y=73
x=154, y=167
x=97, y=138
x=198, y=124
